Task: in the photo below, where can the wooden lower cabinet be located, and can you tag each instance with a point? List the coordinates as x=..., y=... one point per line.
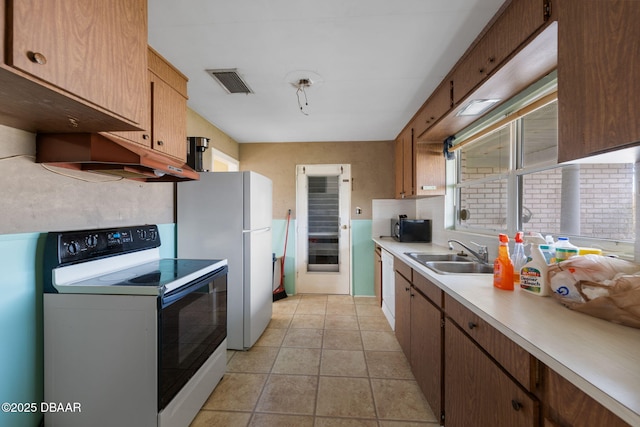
x=418, y=329
x=426, y=349
x=477, y=391
x=509, y=355
x=471, y=374
x=403, y=313
x=565, y=405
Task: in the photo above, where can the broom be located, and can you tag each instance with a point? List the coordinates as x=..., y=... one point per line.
x=279, y=293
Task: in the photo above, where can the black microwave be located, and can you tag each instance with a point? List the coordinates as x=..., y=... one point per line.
x=411, y=230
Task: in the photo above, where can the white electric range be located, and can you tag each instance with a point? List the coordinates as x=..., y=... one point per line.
x=130, y=339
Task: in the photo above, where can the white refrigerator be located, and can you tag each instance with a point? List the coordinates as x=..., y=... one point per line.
x=228, y=215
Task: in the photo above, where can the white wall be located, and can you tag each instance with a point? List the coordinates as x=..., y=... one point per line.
x=35, y=199
x=384, y=210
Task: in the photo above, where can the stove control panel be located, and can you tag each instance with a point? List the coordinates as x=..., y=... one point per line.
x=75, y=246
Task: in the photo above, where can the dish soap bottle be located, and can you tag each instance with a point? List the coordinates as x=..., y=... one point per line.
x=518, y=258
x=502, y=266
x=534, y=274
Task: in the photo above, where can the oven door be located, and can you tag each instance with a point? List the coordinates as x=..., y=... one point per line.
x=192, y=322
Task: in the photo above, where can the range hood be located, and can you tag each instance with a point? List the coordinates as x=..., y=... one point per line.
x=108, y=154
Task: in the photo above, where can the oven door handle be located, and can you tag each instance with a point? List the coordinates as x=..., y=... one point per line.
x=176, y=294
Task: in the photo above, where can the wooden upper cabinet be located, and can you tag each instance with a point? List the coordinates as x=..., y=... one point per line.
x=94, y=50
x=169, y=120
x=420, y=167
x=143, y=137
x=598, y=85
x=166, y=115
x=438, y=104
x=73, y=66
x=430, y=177
x=398, y=154
x=408, y=164
x=517, y=22
x=404, y=164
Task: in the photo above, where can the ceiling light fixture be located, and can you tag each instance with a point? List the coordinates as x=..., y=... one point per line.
x=301, y=86
x=477, y=107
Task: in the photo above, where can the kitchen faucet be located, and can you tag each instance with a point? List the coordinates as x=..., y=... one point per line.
x=482, y=255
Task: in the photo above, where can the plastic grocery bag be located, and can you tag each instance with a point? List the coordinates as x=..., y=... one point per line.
x=618, y=302
x=602, y=287
x=564, y=275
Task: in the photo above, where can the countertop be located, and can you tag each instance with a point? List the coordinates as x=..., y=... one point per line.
x=600, y=358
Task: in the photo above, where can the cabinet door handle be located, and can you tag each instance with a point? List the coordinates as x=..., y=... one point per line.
x=472, y=325
x=516, y=405
x=73, y=122
x=406, y=289
x=145, y=136
x=160, y=142
x=37, y=58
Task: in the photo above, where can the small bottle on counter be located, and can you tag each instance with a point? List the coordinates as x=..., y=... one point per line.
x=564, y=249
x=502, y=266
x=549, y=253
x=518, y=258
x=549, y=249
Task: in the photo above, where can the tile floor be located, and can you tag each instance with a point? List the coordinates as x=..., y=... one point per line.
x=324, y=360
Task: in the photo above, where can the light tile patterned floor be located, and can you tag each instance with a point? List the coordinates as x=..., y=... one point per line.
x=324, y=361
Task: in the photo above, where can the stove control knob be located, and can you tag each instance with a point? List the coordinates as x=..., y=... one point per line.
x=92, y=241
x=72, y=248
x=142, y=234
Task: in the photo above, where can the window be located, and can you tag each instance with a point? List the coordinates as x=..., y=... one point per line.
x=324, y=223
x=508, y=179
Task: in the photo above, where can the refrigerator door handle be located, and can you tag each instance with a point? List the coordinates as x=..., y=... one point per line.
x=258, y=230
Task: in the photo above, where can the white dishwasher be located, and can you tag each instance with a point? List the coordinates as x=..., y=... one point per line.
x=388, y=288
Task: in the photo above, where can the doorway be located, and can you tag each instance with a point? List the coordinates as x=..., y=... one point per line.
x=323, y=235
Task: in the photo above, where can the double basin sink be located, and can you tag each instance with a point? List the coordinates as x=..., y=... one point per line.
x=450, y=263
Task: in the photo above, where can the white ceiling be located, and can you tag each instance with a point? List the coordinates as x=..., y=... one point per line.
x=373, y=62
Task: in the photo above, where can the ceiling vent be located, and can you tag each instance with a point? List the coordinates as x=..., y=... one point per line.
x=230, y=80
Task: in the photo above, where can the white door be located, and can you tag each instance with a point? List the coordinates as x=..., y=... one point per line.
x=323, y=236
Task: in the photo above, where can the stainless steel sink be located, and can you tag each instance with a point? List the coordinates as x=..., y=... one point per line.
x=451, y=263
x=424, y=258
x=456, y=267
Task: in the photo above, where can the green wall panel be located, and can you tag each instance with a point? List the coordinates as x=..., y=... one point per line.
x=362, y=255
x=21, y=336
